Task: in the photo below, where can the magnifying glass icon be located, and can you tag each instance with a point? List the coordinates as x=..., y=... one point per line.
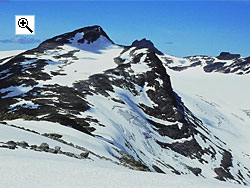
x=23, y=23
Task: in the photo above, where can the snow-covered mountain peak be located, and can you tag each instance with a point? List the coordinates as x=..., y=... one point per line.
x=92, y=38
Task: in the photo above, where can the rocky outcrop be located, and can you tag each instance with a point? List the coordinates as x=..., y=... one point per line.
x=144, y=43
x=228, y=56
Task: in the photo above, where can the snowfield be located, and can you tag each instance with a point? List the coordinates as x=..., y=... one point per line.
x=8, y=55
x=221, y=101
x=24, y=168
x=4, y=54
x=88, y=59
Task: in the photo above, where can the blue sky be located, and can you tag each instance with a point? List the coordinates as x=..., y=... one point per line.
x=180, y=28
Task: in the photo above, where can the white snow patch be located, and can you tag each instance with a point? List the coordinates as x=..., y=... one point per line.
x=15, y=90
x=4, y=54
x=24, y=104
x=31, y=169
x=88, y=63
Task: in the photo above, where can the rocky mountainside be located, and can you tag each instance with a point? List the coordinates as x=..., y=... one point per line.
x=122, y=98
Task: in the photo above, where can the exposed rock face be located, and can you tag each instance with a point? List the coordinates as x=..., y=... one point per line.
x=131, y=105
x=144, y=43
x=228, y=56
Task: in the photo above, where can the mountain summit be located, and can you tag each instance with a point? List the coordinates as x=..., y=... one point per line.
x=144, y=43
x=80, y=38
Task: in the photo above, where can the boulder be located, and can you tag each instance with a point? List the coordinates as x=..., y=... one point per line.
x=84, y=155
x=23, y=144
x=57, y=149
x=33, y=147
x=11, y=143
x=44, y=146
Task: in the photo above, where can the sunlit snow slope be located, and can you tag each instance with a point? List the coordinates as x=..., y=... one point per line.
x=222, y=102
x=25, y=167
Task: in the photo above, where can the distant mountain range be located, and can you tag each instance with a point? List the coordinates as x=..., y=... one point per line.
x=224, y=63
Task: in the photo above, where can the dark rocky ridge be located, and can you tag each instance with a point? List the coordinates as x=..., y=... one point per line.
x=144, y=43
x=228, y=56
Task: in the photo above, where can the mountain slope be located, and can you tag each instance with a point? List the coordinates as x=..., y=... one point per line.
x=121, y=100
x=220, y=101
x=28, y=168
